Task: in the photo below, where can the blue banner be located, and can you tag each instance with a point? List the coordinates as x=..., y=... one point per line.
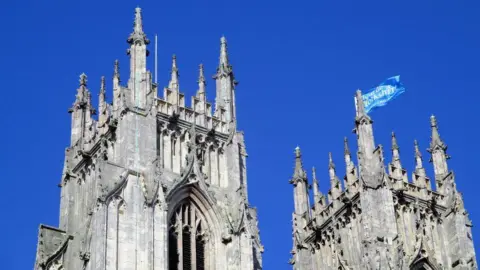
x=379, y=96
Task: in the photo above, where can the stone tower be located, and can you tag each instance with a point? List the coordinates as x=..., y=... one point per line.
x=151, y=183
x=377, y=218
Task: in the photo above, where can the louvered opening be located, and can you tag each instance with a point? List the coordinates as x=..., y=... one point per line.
x=187, y=250
x=172, y=251
x=200, y=250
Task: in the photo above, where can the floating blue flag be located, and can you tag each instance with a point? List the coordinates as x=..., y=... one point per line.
x=379, y=96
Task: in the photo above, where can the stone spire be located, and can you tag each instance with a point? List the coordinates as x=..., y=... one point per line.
x=103, y=108
x=116, y=86
x=173, y=84
x=83, y=80
x=418, y=156
x=396, y=170
x=140, y=81
x=319, y=198
x=300, y=183
x=336, y=186
x=201, y=92
x=419, y=175
x=364, y=129
x=81, y=111
x=350, y=169
x=102, y=93
x=225, y=84
x=116, y=72
x=438, y=151
x=138, y=35
x=299, y=172
x=224, y=65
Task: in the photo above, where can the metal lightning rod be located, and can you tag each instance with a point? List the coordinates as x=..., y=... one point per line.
x=156, y=70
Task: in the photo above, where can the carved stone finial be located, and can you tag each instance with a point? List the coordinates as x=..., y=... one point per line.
x=436, y=141
x=83, y=79
x=418, y=155
x=345, y=146
x=173, y=84
x=360, y=106
x=394, y=142
x=299, y=172
x=224, y=65
x=201, y=83
x=201, y=75
x=102, y=85
x=116, y=69
x=138, y=34
x=331, y=165
x=297, y=152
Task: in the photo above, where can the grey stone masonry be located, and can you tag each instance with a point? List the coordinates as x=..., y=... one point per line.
x=151, y=183
x=381, y=220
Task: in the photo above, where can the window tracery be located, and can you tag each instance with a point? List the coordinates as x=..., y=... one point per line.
x=187, y=238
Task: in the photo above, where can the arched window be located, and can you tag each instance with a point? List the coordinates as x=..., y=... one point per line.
x=422, y=265
x=187, y=238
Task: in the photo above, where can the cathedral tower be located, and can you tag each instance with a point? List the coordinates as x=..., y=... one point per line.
x=152, y=183
x=382, y=220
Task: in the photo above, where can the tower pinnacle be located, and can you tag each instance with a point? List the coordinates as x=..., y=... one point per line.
x=346, y=149
x=418, y=156
x=360, y=107
x=316, y=189
x=83, y=79
x=138, y=35
x=201, y=82
x=102, y=86
x=116, y=69
x=173, y=84
x=299, y=172
x=396, y=170
x=224, y=55
x=436, y=141
x=439, y=156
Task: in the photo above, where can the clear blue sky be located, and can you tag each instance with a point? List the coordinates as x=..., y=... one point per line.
x=298, y=63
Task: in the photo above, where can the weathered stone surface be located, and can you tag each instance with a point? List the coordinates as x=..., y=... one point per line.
x=153, y=182
x=382, y=221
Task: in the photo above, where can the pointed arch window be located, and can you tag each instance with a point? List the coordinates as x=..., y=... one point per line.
x=423, y=265
x=187, y=238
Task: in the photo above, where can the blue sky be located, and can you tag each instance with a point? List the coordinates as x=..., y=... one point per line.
x=298, y=63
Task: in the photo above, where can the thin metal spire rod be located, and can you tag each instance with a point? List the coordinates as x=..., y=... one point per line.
x=156, y=62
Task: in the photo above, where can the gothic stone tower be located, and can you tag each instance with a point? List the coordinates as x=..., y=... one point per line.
x=380, y=219
x=152, y=183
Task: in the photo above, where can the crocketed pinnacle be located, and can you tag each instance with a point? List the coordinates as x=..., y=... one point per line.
x=331, y=165
x=394, y=142
x=334, y=181
x=138, y=34
x=346, y=149
x=436, y=141
x=83, y=79
x=102, y=86
x=223, y=52
x=224, y=67
x=173, y=85
x=316, y=189
x=299, y=172
x=360, y=106
x=201, y=81
x=418, y=156
x=116, y=69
